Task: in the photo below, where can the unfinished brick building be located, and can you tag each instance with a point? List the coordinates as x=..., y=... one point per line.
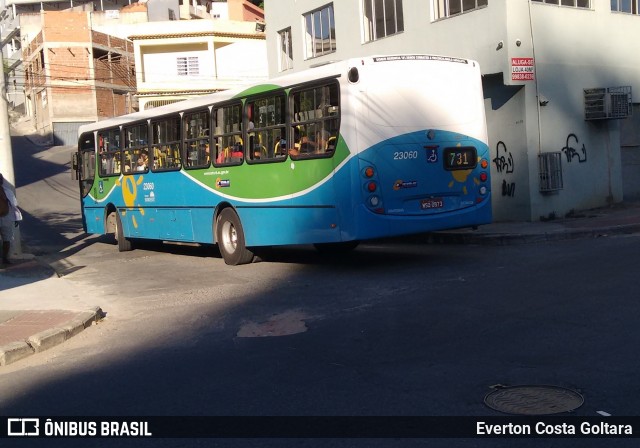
x=76, y=75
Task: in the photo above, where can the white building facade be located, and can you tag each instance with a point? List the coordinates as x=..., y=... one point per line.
x=176, y=60
x=558, y=75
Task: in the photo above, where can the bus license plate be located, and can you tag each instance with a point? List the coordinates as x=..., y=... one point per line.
x=428, y=204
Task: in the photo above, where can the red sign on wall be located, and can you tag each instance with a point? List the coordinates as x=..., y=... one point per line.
x=522, y=69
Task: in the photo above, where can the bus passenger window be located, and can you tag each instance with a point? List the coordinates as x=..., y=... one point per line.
x=316, y=120
x=268, y=136
x=109, y=150
x=228, y=135
x=196, y=139
x=135, y=152
x=165, y=141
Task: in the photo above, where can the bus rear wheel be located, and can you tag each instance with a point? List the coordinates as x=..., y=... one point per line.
x=124, y=244
x=230, y=238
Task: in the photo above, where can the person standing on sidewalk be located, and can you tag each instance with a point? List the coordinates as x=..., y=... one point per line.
x=9, y=220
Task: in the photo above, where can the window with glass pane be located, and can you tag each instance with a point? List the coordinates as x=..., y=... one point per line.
x=109, y=150
x=87, y=162
x=266, y=130
x=572, y=3
x=382, y=18
x=228, y=135
x=320, y=32
x=285, y=55
x=447, y=8
x=165, y=142
x=627, y=6
x=135, y=155
x=196, y=139
x=315, y=123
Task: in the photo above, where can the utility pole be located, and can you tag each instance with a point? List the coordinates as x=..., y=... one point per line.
x=6, y=154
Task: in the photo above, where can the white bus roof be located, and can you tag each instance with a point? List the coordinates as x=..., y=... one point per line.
x=330, y=69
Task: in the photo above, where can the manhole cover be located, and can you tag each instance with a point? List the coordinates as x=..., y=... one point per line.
x=533, y=400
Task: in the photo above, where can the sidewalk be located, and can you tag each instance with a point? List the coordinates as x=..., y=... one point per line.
x=623, y=218
x=44, y=310
x=39, y=310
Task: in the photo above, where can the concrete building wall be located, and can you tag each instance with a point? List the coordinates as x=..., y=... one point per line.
x=572, y=48
x=243, y=61
x=226, y=53
x=507, y=136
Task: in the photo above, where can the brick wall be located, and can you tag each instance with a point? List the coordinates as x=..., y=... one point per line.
x=113, y=42
x=110, y=103
x=59, y=65
x=68, y=64
x=70, y=26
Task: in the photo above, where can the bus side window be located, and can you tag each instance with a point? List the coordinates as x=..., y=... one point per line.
x=268, y=132
x=165, y=138
x=135, y=152
x=229, y=147
x=196, y=139
x=316, y=118
x=109, y=149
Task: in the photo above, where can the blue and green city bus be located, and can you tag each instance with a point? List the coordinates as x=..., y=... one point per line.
x=349, y=151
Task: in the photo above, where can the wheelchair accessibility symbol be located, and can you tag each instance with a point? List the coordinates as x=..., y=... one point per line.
x=432, y=155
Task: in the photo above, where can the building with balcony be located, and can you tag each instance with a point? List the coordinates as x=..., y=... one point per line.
x=558, y=77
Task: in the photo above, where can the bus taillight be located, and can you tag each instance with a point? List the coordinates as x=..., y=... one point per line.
x=373, y=201
x=483, y=177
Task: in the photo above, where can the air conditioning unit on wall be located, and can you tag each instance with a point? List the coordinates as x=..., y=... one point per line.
x=607, y=103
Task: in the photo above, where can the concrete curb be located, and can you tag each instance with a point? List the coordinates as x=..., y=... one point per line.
x=506, y=239
x=49, y=338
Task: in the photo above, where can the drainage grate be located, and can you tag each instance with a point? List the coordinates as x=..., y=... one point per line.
x=533, y=400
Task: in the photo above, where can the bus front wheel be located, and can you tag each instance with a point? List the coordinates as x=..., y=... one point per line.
x=230, y=238
x=124, y=244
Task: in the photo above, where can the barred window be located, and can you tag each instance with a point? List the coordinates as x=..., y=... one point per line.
x=448, y=8
x=188, y=66
x=320, y=32
x=382, y=18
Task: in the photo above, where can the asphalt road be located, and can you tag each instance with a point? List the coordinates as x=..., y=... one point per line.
x=392, y=329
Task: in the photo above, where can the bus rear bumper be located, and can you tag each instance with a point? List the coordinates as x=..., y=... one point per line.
x=371, y=225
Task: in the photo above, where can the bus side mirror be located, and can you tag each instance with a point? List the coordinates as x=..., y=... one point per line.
x=74, y=166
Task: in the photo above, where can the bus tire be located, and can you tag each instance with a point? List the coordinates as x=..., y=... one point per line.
x=230, y=238
x=336, y=248
x=124, y=244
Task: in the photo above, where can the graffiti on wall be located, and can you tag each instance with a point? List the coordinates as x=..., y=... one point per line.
x=505, y=165
x=571, y=152
x=508, y=189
